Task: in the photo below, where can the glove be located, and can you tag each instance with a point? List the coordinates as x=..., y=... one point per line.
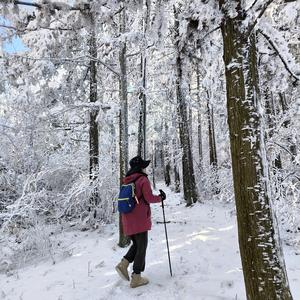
x=162, y=195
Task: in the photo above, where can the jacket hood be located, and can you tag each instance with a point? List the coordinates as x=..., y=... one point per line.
x=133, y=177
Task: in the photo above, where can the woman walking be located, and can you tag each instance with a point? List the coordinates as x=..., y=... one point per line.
x=137, y=223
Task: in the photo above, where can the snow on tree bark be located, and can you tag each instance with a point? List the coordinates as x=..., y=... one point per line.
x=188, y=176
x=211, y=134
x=93, y=124
x=284, y=106
x=123, y=134
x=199, y=129
x=263, y=265
x=142, y=96
x=166, y=154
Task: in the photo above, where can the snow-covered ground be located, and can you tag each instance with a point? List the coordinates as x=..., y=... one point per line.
x=204, y=254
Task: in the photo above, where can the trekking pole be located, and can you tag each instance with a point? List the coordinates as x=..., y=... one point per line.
x=163, y=209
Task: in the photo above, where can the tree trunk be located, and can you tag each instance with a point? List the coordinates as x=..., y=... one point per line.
x=211, y=134
x=212, y=146
x=270, y=122
x=188, y=176
x=282, y=100
x=93, y=128
x=167, y=165
x=175, y=168
x=153, y=165
x=175, y=158
x=167, y=174
x=143, y=100
x=263, y=264
x=176, y=179
x=161, y=155
x=143, y=111
x=123, y=240
x=113, y=148
x=200, y=150
x=292, y=146
x=190, y=120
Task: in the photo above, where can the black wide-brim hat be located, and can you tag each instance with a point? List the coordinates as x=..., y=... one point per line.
x=138, y=163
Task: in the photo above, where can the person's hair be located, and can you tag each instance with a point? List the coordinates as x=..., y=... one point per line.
x=134, y=170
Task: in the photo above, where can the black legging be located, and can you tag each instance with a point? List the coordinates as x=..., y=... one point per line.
x=137, y=251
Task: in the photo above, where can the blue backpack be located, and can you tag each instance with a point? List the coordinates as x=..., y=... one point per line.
x=127, y=198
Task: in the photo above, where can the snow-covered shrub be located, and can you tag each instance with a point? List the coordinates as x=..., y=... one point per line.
x=284, y=170
x=31, y=245
x=225, y=184
x=61, y=195
x=286, y=200
x=78, y=205
x=216, y=183
x=52, y=200
x=8, y=192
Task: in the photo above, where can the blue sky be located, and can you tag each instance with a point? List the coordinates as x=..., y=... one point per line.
x=16, y=44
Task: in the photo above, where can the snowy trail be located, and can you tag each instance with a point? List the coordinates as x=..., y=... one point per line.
x=204, y=254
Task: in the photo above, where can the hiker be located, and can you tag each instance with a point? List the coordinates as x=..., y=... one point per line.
x=137, y=222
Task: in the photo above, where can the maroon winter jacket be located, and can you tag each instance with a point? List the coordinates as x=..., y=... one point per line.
x=139, y=220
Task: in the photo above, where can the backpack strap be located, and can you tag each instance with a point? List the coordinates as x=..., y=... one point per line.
x=136, y=198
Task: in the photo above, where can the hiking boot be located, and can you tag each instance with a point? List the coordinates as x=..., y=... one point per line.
x=121, y=268
x=137, y=280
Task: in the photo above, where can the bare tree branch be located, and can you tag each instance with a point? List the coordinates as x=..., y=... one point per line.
x=37, y=28
x=191, y=55
x=108, y=67
x=8, y=127
x=279, y=54
x=76, y=59
x=54, y=5
x=133, y=54
x=118, y=11
x=8, y=27
x=27, y=4
x=261, y=8
x=284, y=148
x=252, y=5
x=139, y=52
x=207, y=34
x=63, y=6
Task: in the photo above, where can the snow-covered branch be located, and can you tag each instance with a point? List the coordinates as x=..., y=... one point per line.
x=282, y=147
x=252, y=5
x=285, y=63
x=81, y=59
x=37, y=28
x=256, y=13
x=201, y=39
x=39, y=6
x=57, y=5
x=108, y=67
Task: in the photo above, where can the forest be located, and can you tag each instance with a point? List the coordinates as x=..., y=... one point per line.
x=207, y=90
